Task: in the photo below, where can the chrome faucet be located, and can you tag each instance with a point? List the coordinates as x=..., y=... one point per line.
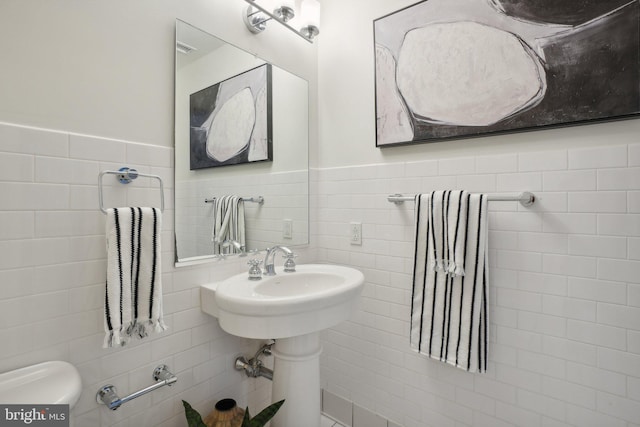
x=269, y=259
x=235, y=244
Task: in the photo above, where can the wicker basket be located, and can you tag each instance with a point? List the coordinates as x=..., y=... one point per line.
x=225, y=414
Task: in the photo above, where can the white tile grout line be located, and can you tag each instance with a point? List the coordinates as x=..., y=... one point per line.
x=335, y=423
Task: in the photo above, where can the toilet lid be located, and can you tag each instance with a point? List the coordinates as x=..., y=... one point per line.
x=54, y=382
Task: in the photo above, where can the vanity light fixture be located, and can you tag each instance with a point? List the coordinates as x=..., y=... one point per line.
x=286, y=11
x=306, y=24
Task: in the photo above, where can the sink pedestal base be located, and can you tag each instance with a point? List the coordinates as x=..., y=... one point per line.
x=296, y=378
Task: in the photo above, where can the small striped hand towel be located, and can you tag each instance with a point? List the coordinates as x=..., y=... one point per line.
x=133, y=296
x=228, y=222
x=449, y=318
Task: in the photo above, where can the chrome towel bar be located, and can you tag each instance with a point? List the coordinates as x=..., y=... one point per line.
x=526, y=198
x=107, y=395
x=125, y=176
x=257, y=199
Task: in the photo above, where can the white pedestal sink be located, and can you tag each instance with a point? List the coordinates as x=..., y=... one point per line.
x=291, y=308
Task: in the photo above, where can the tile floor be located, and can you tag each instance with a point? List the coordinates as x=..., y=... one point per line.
x=328, y=422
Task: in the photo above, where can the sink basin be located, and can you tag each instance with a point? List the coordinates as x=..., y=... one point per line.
x=315, y=297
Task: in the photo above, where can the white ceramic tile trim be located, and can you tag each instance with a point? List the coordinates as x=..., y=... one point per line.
x=564, y=303
x=328, y=422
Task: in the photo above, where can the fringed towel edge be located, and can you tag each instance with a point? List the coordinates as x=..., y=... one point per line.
x=138, y=329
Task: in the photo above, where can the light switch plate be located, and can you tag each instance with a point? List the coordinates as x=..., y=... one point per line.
x=287, y=229
x=355, y=233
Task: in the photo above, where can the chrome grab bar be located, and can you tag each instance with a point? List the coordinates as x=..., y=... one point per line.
x=107, y=395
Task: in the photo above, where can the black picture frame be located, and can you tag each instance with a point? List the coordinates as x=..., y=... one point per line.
x=586, y=54
x=231, y=121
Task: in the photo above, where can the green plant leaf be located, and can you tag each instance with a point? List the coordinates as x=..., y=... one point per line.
x=246, y=420
x=264, y=416
x=193, y=417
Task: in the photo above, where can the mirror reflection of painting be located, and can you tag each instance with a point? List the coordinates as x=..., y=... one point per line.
x=283, y=182
x=458, y=68
x=231, y=120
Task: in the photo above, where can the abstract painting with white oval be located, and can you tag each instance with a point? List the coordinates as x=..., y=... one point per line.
x=231, y=121
x=460, y=68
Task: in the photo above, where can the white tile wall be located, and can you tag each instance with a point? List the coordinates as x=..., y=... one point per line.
x=564, y=300
x=565, y=279
x=52, y=270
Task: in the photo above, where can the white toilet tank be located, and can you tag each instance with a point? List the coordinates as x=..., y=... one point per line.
x=53, y=382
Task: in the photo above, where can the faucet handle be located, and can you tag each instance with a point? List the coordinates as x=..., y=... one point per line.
x=235, y=245
x=255, y=273
x=290, y=263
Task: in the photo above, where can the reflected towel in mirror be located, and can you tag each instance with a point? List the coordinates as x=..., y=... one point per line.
x=228, y=222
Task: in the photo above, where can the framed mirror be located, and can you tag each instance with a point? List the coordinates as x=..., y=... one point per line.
x=241, y=150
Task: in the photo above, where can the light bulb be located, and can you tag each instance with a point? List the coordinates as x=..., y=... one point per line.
x=310, y=11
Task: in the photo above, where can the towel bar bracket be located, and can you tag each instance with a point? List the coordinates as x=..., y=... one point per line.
x=398, y=198
x=127, y=175
x=107, y=395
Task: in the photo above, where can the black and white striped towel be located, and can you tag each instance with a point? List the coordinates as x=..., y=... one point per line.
x=133, y=297
x=449, y=319
x=228, y=222
x=446, y=210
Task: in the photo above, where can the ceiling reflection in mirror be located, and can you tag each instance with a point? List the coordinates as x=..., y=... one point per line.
x=256, y=204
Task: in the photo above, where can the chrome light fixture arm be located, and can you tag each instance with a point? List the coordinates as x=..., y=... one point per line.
x=256, y=17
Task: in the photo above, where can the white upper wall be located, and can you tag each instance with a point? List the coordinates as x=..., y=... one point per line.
x=346, y=114
x=107, y=68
